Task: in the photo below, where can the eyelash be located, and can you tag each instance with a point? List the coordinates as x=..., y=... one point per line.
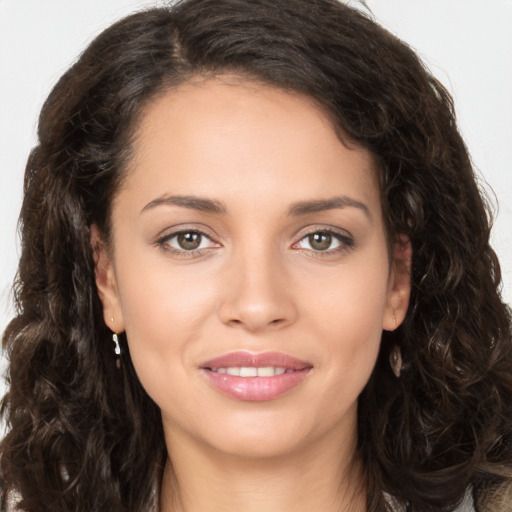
x=164, y=241
x=346, y=242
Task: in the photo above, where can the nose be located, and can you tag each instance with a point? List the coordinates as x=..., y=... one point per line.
x=257, y=293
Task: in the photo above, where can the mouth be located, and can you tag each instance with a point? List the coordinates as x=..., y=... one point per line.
x=252, y=371
x=255, y=377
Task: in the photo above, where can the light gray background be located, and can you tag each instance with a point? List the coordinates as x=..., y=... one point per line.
x=466, y=43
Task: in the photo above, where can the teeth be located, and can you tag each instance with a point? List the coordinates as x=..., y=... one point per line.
x=247, y=371
x=268, y=371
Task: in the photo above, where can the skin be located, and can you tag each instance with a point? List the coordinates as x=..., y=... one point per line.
x=257, y=283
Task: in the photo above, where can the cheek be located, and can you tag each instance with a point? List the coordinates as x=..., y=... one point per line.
x=162, y=298
x=353, y=296
x=349, y=320
x=164, y=312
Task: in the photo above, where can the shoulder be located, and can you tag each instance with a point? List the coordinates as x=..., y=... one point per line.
x=467, y=504
x=9, y=502
x=494, y=498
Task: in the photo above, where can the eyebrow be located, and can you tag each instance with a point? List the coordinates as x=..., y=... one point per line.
x=195, y=203
x=321, y=205
x=297, y=209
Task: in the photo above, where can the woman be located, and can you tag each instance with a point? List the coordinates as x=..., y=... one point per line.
x=255, y=274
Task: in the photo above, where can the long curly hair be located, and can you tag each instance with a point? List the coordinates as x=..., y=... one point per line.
x=83, y=435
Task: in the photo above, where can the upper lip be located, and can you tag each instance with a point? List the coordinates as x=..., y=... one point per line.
x=260, y=360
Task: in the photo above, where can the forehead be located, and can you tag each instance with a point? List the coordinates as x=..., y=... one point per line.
x=244, y=140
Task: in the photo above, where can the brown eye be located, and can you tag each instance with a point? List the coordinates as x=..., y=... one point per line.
x=186, y=242
x=189, y=240
x=320, y=241
x=324, y=241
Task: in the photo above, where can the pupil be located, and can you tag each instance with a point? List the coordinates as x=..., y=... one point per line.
x=189, y=241
x=320, y=241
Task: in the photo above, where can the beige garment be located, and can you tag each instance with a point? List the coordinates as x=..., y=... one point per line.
x=12, y=499
x=467, y=504
x=491, y=499
x=497, y=499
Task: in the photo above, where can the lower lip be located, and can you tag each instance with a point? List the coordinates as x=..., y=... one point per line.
x=256, y=389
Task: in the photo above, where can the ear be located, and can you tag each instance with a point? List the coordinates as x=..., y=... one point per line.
x=106, y=282
x=399, y=286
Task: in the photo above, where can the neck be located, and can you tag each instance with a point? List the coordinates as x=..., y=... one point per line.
x=320, y=478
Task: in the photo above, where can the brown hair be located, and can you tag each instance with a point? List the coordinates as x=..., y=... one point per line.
x=83, y=436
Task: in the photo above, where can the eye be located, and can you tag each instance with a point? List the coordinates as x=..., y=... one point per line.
x=324, y=241
x=186, y=241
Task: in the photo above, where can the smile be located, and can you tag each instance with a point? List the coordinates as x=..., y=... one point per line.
x=250, y=371
x=255, y=377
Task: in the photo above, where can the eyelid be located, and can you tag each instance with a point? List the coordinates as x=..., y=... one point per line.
x=161, y=240
x=344, y=237
x=184, y=228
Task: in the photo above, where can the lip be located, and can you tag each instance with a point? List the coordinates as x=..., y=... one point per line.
x=256, y=389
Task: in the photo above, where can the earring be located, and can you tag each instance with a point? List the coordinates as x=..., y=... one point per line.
x=117, y=348
x=395, y=361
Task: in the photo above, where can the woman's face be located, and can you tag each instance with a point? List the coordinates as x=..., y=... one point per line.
x=248, y=241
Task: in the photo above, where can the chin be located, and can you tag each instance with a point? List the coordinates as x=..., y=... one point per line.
x=266, y=435
x=259, y=446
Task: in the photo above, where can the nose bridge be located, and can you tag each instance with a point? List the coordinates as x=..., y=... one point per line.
x=256, y=295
